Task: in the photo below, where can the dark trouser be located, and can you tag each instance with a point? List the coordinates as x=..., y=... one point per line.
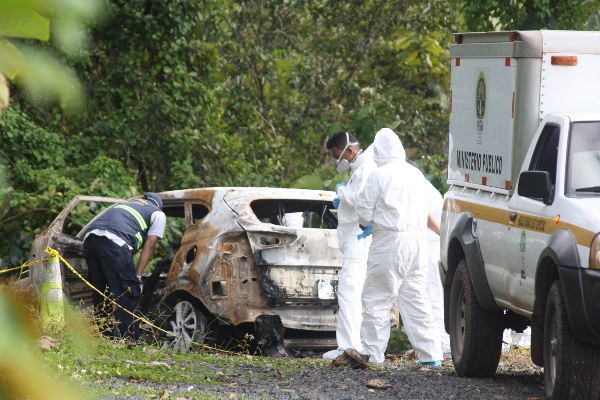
x=110, y=268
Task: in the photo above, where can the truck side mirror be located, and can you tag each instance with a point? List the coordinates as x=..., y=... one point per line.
x=535, y=185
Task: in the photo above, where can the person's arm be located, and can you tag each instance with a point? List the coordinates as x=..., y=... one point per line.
x=146, y=254
x=350, y=192
x=433, y=223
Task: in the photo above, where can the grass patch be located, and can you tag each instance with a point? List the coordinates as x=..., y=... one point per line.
x=398, y=342
x=110, y=368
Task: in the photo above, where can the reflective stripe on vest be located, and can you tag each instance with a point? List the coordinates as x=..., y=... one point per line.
x=138, y=218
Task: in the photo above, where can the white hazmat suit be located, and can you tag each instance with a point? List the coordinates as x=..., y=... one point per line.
x=435, y=291
x=394, y=202
x=354, y=257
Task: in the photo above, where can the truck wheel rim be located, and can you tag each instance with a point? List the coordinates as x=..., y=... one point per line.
x=551, y=350
x=461, y=322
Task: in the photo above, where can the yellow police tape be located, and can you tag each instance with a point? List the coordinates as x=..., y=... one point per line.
x=26, y=265
x=53, y=252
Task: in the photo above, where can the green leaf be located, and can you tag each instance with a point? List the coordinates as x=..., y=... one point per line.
x=412, y=56
x=403, y=42
x=44, y=75
x=25, y=23
x=364, y=112
x=11, y=59
x=335, y=127
x=309, y=182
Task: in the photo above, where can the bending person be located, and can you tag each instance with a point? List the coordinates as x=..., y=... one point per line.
x=109, y=246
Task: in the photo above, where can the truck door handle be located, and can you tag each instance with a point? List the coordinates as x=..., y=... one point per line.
x=513, y=217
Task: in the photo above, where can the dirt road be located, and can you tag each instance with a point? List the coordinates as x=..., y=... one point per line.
x=310, y=379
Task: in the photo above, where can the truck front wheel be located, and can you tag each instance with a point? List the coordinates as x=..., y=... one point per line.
x=475, y=334
x=571, y=367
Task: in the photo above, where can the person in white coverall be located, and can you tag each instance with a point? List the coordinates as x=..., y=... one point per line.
x=435, y=291
x=394, y=202
x=434, y=288
x=345, y=149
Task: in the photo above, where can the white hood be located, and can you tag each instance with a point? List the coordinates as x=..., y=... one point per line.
x=387, y=147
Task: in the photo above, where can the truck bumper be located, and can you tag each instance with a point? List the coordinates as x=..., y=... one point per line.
x=581, y=289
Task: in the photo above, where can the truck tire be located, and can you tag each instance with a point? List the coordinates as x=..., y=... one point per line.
x=475, y=334
x=571, y=367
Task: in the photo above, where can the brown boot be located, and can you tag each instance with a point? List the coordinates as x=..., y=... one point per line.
x=357, y=360
x=341, y=360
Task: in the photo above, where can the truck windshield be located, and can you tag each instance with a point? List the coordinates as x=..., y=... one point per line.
x=583, y=170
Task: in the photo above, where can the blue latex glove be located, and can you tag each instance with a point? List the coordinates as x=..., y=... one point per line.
x=365, y=233
x=339, y=185
x=336, y=202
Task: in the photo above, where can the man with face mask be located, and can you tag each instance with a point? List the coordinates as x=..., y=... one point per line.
x=394, y=202
x=345, y=149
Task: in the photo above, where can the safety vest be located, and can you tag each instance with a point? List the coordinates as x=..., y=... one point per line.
x=129, y=220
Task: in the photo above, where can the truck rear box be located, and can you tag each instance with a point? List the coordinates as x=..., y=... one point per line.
x=502, y=85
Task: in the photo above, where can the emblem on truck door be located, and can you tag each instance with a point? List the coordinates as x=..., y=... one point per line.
x=480, y=105
x=480, y=99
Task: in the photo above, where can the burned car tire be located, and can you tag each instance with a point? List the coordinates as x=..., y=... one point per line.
x=571, y=367
x=188, y=323
x=475, y=335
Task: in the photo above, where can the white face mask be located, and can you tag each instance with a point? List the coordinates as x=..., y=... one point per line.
x=341, y=164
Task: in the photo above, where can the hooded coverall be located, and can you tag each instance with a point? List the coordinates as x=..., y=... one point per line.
x=354, y=257
x=394, y=202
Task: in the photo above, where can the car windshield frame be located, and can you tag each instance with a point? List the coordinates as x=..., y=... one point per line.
x=583, y=160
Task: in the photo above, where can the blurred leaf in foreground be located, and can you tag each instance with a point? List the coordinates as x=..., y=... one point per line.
x=40, y=72
x=21, y=371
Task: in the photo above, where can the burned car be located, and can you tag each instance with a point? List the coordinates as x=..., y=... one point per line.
x=246, y=258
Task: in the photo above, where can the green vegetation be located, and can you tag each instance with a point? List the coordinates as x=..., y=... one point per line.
x=214, y=93
x=489, y=15
x=112, y=368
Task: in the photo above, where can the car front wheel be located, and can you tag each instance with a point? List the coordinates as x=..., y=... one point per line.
x=188, y=326
x=571, y=367
x=475, y=334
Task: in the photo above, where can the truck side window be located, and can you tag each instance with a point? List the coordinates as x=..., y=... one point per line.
x=545, y=155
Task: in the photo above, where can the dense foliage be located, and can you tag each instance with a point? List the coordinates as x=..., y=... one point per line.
x=488, y=15
x=187, y=93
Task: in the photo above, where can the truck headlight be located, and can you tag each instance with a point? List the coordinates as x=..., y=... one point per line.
x=595, y=252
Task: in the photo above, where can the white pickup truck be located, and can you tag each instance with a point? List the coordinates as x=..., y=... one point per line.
x=519, y=240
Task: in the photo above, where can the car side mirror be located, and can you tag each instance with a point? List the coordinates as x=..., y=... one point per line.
x=535, y=185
